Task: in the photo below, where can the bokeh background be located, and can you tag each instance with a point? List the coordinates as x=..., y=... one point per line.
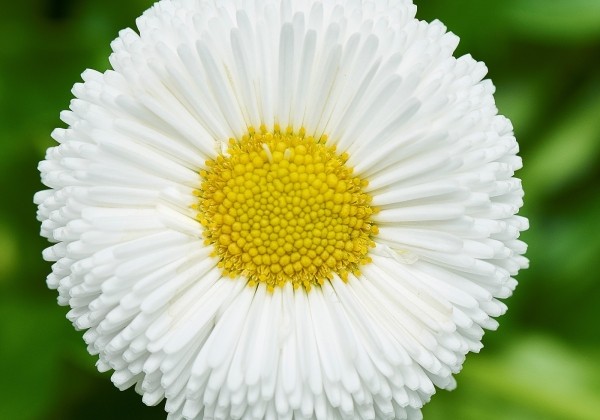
x=544, y=58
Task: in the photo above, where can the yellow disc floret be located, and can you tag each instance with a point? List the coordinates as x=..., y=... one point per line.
x=281, y=206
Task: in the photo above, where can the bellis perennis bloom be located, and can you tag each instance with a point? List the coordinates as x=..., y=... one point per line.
x=284, y=209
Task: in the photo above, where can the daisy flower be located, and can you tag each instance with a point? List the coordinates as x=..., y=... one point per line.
x=277, y=209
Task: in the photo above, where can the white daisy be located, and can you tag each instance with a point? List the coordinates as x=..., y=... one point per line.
x=284, y=209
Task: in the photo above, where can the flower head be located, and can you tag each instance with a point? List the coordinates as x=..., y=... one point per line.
x=284, y=209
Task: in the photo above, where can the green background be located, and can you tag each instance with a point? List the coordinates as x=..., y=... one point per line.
x=544, y=58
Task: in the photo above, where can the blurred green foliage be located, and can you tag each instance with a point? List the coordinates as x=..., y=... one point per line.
x=544, y=58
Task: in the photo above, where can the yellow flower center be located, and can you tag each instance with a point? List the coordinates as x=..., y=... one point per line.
x=283, y=206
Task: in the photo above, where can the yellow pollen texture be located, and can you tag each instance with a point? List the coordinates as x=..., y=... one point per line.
x=283, y=207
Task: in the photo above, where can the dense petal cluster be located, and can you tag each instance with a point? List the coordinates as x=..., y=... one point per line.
x=418, y=125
